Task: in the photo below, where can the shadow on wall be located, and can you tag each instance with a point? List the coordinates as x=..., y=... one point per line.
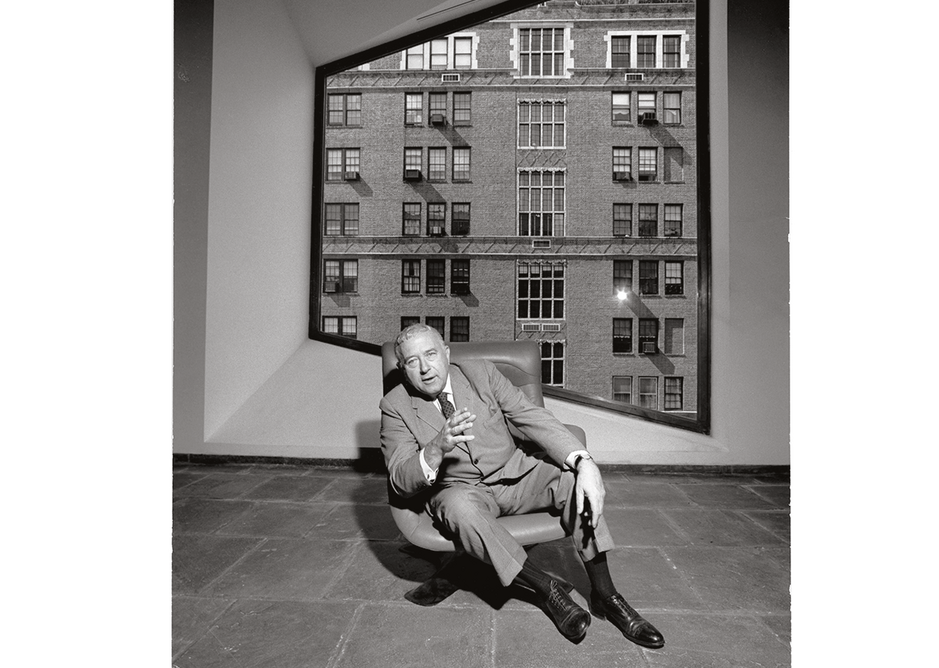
x=368, y=445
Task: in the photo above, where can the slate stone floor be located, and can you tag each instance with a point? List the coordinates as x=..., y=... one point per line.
x=301, y=566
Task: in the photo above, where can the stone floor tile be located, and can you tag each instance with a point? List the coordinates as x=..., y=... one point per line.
x=347, y=521
x=198, y=515
x=650, y=581
x=199, y=559
x=781, y=625
x=719, y=527
x=776, y=521
x=357, y=490
x=380, y=571
x=778, y=495
x=286, y=569
x=411, y=636
x=272, y=634
x=191, y=616
x=184, y=478
x=629, y=493
x=736, y=579
x=219, y=486
x=291, y=487
x=724, y=495
x=277, y=520
x=529, y=639
x=725, y=641
x=641, y=527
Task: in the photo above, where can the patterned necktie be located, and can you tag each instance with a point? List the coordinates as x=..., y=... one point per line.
x=445, y=406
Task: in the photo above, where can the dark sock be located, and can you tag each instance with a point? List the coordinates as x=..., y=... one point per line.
x=599, y=573
x=535, y=578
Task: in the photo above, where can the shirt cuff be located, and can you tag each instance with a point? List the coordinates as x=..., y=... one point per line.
x=429, y=473
x=571, y=457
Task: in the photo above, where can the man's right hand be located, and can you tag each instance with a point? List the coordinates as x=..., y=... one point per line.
x=453, y=432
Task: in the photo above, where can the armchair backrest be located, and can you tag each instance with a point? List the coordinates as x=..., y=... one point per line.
x=519, y=361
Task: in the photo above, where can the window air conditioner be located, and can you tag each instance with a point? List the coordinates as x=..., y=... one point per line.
x=351, y=176
x=331, y=286
x=648, y=118
x=436, y=231
x=647, y=347
x=412, y=175
x=438, y=119
x=622, y=176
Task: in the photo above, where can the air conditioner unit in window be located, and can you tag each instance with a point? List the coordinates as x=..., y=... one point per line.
x=672, y=233
x=438, y=119
x=622, y=176
x=351, y=176
x=648, y=118
x=331, y=286
x=436, y=231
x=461, y=289
x=453, y=77
x=412, y=175
x=647, y=347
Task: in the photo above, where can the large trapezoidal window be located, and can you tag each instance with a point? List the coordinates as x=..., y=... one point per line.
x=530, y=171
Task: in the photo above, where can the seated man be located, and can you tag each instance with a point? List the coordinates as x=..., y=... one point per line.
x=476, y=473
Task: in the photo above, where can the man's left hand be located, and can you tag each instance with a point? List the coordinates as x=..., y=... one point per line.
x=589, y=487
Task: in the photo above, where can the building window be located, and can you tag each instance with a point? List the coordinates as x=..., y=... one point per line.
x=619, y=47
x=438, y=54
x=540, y=290
x=541, y=52
x=436, y=277
x=648, y=277
x=648, y=336
x=342, y=219
x=623, y=389
x=413, y=108
x=460, y=277
x=436, y=164
x=671, y=53
x=673, y=220
x=438, y=323
x=622, y=220
x=410, y=277
x=622, y=276
x=674, y=281
x=408, y=320
x=461, y=164
x=438, y=107
x=645, y=104
x=344, y=109
x=462, y=53
x=411, y=225
x=462, y=108
x=341, y=325
x=648, y=220
x=673, y=394
x=413, y=161
x=342, y=163
x=436, y=219
x=541, y=124
x=622, y=163
x=674, y=336
x=621, y=103
x=459, y=329
x=340, y=276
x=649, y=392
x=622, y=335
x=647, y=164
x=671, y=108
x=552, y=363
x=645, y=51
x=674, y=163
x=460, y=216
x=540, y=203
x=414, y=58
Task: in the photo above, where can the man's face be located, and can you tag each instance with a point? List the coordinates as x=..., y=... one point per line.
x=425, y=361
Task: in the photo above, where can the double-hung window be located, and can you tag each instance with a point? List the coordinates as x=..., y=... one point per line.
x=411, y=219
x=671, y=108
x=459, y=328
x=461, y=164
x=413, y=108
x=622, y=335
x=552, y=363
x=648, y=277
x=436, y=164
x=645, y=51
x=621, y=113
x=673, y=393
x=619, y=47
x=437, y=103
x=343, y=325
x=647, y=164
x=460, y=276
x=623, y=389
x=437, y=322
x=344, y=109
x=671, y=51
x=462, y=108
x=342, y=219
x=622, y=163
x=436, y=277
x=340, y=276
x=648, y=336
x=410, y=277
x=673, y=220
x=648, y=392
x=342, y=163
x=674, y=278
x=413, y=159
x=460, y=217
x=540, y=203
x=436, y=219
x=648, y=220
x=622, y=220
x=622, y=276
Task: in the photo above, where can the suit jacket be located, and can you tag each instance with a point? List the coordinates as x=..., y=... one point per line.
x=409, y=421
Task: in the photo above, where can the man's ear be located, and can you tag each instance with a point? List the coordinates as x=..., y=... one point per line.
x=447, y=350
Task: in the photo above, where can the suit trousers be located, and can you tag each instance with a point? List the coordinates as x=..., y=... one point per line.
x=469, y=512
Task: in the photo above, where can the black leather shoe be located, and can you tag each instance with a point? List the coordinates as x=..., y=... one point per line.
x=627, y=620
x=571, y=619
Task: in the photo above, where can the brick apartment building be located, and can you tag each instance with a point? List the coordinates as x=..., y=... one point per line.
x=532, y=177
